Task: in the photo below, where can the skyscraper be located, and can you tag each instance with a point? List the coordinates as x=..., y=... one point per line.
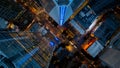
x=63, y=9
x=14, y=47
x=9, y=9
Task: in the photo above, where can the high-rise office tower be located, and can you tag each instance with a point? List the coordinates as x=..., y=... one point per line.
x=101, y=6
x=107, y=29
x=16, y=48
x=61, y=10
x=9, y=9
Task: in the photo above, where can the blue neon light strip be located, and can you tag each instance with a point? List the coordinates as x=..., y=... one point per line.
x=62, y=14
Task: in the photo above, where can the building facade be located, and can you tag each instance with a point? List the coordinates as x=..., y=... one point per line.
x=14, y=47
x=9, y=9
